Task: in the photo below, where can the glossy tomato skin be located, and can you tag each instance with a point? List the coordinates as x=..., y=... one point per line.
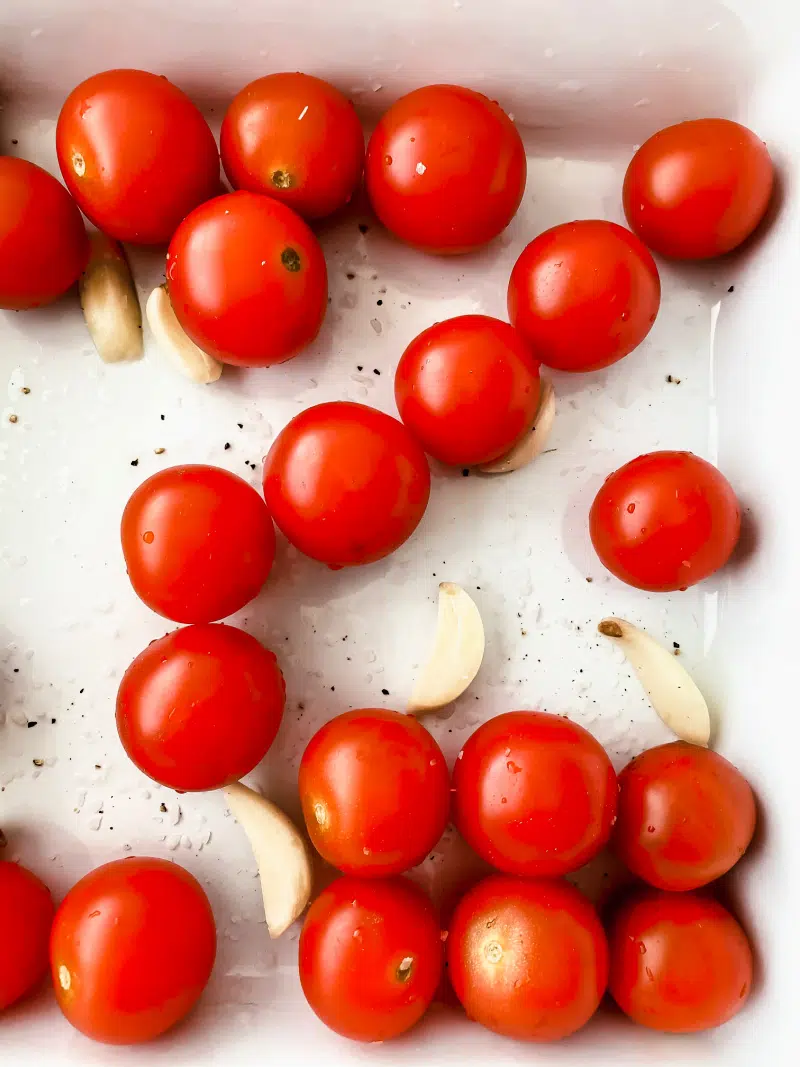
x=247, y=280
x=527, y=958
x=375, y=792
x=665, y=521
x=26, y=915
x=136, y=154
x=534, y=794
x=445, y=169
x=370, y=957
x=685, y=816
x=467, y=389
x=679, y=962
x=132, y=949
x=698, y=189
x=584, y=294
x=199, y=708
x=346, y=484
x=198, y=543
x=43, y=242
x=295, y=138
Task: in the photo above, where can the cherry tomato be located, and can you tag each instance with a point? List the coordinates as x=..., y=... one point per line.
x=685, y=816
x=346, y=484
x=375, y=792
x=445, y=169
x=26, y=915
x=199, y=708
x=247, y=280
x=467, y=389
x=136, y=154
x=527, y=958
x=198, y=543
x=296, y=138
x=534, y=794
x=680, y=962
x=665, y=521
x=43, y=242
x=132, y=949
x=370, y=957
x=698, y=189
x=584, y=294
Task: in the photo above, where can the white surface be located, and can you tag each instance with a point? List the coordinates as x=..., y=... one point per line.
x=595, y=79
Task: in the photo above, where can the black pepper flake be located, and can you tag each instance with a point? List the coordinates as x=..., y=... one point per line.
x=16, y=670
x=52, y=722
x=163, y=417
x=162, y=806
x=240, y=425
x=465, y=472
x=379, y=302
x=80, y=691
x=376, y=371
x=14, y=140
x=385, y=692
x=675, y=644
x=731, y=288
x=31, y=724
x=350, y=276
x=333, y=688
x=363, y=228
x=227, y=445
x=134, y=462
x=253, y=466
x=359, y=367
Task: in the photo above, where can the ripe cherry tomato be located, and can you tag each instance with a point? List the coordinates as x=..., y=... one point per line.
x=43, y=242
x=584, y=294
x=534, y=794
x=680, y=962
x=698, y=189
x=665, y=521
x=26, y=915
x=247, y=280
x=370, y=957
x=445, y=169
x=199, y=708
x=685, y=816
x=467, y=389
x=375, y=792
x=346, y=484
x=132, y=949
x=527, y=958
x=198, y=543
x=136, y=154
x=296, y=138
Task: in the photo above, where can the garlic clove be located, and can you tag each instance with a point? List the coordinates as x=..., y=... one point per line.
x=192, y=361
x=109, y=301
x=457, y=652
x=284, y=864
x=533, y=442
x=675, y=698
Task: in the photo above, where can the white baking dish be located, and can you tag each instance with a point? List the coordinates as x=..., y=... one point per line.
x=585, y=81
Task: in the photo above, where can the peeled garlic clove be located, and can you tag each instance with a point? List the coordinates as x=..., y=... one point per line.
x=675, y=697
x=532, y=443
x=457, y=652
x=171, y=339
x=109, y=301
x=284, y=865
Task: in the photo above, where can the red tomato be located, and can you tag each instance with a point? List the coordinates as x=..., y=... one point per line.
x=198, y=543
x=445, y=169
x=136, y=154
x=346, y=484
x=296, y=138
x=685, y=816
x=467, y=389
x=665, y=521
x=247, y=280
x=534, y=794
x=132, y=949
x=199, y=708
x=698, y=189
x=527, y=959
x=370, y=957
x=680, y=962
x=375, y=792
x=43, y=243
x=584, y=294
x=26, y=915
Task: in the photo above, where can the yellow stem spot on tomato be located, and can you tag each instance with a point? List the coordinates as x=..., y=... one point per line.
x=493, y=952
x=78, y=164
x=64, y=978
